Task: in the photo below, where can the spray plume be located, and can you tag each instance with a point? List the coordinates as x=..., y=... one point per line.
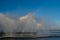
x=26, y=23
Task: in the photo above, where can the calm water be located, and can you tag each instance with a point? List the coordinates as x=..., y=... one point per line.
x=55, y=38
x=49, y=39
x=42, y=39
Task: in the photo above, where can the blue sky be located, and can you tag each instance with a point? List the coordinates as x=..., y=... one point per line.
x=49, y=8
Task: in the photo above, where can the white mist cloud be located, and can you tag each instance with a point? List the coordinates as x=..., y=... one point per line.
x=8, y=23
x=25, y=23
x=28, y=23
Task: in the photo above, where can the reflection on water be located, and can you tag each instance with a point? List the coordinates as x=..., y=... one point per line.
x=41, y=39
x=52, y=38
x=48, y=39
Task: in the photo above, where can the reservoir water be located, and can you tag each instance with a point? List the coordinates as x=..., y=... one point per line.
x=48, y=39
x=58, y=38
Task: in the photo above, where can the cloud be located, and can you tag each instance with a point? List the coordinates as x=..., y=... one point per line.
x=26, y=23
x=8, y=23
